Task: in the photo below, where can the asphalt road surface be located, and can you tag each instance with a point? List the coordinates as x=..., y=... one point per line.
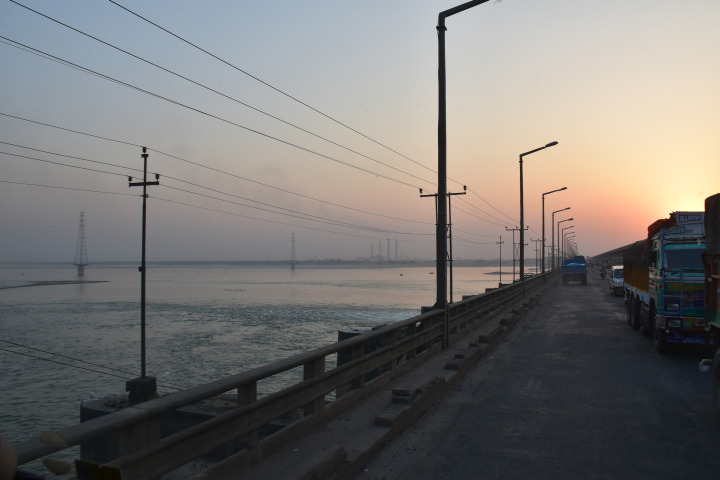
x=573, y=393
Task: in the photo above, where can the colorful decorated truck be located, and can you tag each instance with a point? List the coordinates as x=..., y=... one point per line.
x=665, y=281
x=711, y=259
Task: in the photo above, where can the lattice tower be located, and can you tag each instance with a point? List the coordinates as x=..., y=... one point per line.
x=81, y=257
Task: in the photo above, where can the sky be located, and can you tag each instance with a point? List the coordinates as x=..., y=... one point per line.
x=318, y=119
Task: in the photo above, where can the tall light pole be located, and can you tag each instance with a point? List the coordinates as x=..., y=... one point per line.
x=570, y=242
x=552, y=250
x=441, y=228
x=558, y=243
x=522, y=213
x=543, y=223
x=564, y=240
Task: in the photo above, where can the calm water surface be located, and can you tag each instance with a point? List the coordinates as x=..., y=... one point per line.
x=203, y=323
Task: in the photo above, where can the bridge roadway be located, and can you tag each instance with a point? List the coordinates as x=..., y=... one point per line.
x=570, y=392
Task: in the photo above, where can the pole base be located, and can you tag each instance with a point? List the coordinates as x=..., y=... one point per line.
x=141, y=389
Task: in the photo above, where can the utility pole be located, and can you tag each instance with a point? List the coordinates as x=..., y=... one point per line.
x=537, y=253
x=516, y=247
x=449, y=228
x=143, y=388
x=501, y=244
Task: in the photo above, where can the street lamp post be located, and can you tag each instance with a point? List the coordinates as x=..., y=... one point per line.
x=558, y=242
x=543, y=224
x=569, y=251
x=570, y=243
x=441, y=227
x=522, y=212
x=564, y=240
x=552, y=251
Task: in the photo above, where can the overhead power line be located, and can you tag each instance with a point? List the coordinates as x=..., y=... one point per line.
x=326, y=202
x=473, y=234
x=45, y=55
x=267, y=85
x=218, y=92
x=63, y=164
x=305, y=227
x=66, y=188
x=69, y=130
x=296, y=214
x=126, y=375
x=235, y=214
x=69, y=156
x=493, y=206
x=216, y=117
x=281, y=210
x=197, y=164
x=479, y=218
x=472, y=242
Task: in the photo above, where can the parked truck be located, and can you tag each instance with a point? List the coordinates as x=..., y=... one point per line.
x=574, y=269
x=711, y=259
x=665, y=281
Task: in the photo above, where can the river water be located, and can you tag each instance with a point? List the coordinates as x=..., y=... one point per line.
x=62, y=343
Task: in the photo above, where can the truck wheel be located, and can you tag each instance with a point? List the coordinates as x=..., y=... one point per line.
x=628, y=312
x=644, y=327
x=660, y=342
x=651, y=321
x=635, y=312
x=716, y=378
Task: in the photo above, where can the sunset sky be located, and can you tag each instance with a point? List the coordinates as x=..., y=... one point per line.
x=320, y=119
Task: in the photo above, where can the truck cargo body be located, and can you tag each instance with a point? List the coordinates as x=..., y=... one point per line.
x=665, y=281
x=574, y=270
x=711, y=260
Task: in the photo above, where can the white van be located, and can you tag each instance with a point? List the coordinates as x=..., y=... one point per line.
x=617, y=283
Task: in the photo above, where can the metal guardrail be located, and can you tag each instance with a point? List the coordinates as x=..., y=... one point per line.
x=376, y=358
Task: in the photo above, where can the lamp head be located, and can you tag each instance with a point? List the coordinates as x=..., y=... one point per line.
x=551, y=144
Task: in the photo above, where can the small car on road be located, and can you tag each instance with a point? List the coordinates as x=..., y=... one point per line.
x=617, y=283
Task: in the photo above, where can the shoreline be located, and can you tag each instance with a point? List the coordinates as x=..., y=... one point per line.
x=51, y=282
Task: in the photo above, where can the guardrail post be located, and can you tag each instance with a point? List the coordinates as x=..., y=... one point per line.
x=312, y=370
x=246, y=395
x=391, y=340
x=138, y=436
x=358, y=352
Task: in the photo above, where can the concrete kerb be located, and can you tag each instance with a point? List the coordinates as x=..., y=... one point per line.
x=340, y=448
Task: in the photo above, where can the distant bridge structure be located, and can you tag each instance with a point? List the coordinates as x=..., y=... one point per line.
x=611, y=257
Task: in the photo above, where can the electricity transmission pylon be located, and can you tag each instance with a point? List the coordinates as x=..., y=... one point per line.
x=81, y=258
x=293, y=260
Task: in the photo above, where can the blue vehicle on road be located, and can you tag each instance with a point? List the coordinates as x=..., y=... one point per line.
x=574, y=270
